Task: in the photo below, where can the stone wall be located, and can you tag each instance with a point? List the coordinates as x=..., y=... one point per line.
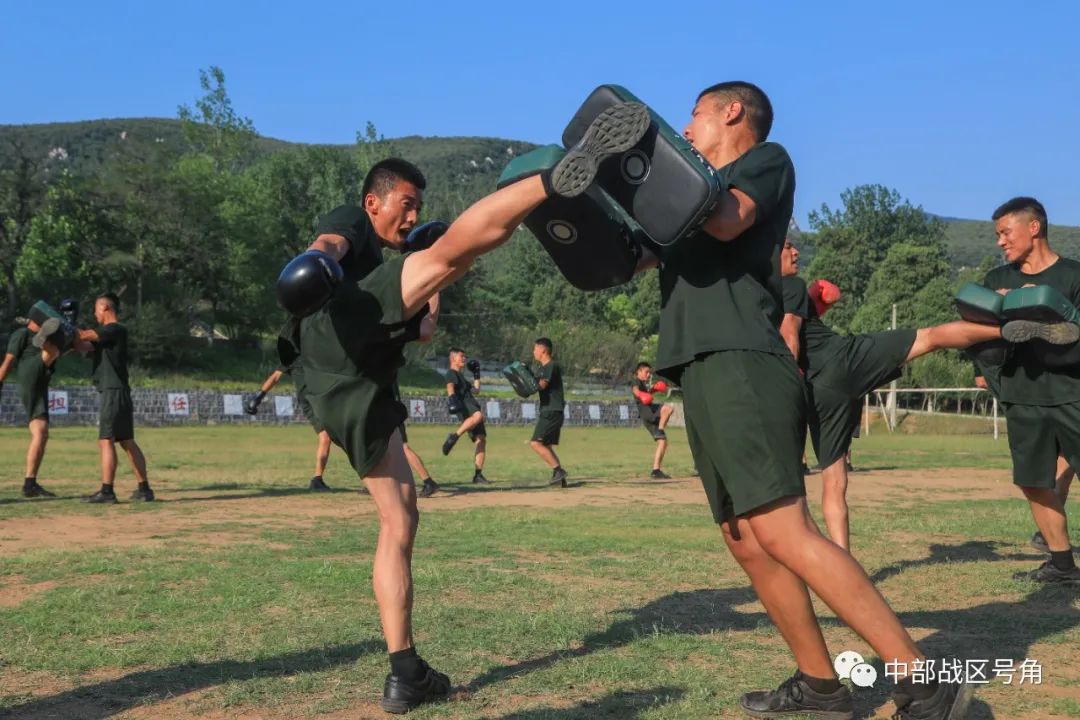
x=78, y=405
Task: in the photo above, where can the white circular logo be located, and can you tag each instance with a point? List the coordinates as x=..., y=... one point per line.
x=845, y=661
x=561, y=232
x=864, y=675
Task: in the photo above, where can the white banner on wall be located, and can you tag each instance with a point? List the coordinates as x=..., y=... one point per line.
x=58, y=402
x=528, y=411
x=233, y=404
x=493, y=410
x=283, y=405
x=179, y=404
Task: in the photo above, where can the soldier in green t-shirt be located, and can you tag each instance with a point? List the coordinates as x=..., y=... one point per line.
x=1042, y=403
x=654, y=416
x=744, y=402
x=550, y=414
x=464, y=405
x=356, y=322
x=109, y=347
x=841, y=369
x=33, y=368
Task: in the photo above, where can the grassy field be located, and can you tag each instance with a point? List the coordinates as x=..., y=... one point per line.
x=240, y=595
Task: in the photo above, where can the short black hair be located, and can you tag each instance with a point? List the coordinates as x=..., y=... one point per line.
x=1025, y=204
x=546, y=342
x=642, y=365
x=755, y=102
x=384, y=175
x=456, y=350
x=112, y=298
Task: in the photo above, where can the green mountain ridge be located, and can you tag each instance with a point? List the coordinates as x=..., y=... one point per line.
x=86, y=146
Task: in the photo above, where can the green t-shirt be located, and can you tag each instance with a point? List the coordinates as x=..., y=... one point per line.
x=464, y=390
x=361, y=331
x=1024, y=380
x=718, y=295
x=111, y=357
x=29, y=365
x=818, y=343
x=647, y=413
x=20, y=346
x=295, y=370
x=365, y=247
x=551, y=398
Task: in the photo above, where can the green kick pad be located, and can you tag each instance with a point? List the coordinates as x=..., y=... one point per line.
x=1042, y=303
x=64, y=336
x=521, y=378
x=663, y=183
x=531, y=163
x=978, y=304
x=593, y=242
x=42, y=311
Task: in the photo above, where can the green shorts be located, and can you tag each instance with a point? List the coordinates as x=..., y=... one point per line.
x=1037, y=435
x=33, y=380
x=548, y=427
x=650, y=418
x=305, y=407
x=404, y=434
x=116, y=420
x=837, y=391
x=359, y=413
x=746, y=423
x=480, y=430
x=352, y=350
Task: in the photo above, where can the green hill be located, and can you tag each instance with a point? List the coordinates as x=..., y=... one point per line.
x=972, y=240
x=465, y=166
x=87, y=146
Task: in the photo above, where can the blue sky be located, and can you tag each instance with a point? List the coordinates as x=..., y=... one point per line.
x=958, y=105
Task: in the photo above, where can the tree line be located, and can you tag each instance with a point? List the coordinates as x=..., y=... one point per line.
x=191, y=236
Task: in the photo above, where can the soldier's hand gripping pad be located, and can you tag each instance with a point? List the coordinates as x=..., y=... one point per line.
x=663, y=183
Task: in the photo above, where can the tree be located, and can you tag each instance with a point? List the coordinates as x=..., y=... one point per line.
x=851, y=242
x=73, y=248
x=213, y=248
x=213, y=127
x=22, y=193
x=899, y=279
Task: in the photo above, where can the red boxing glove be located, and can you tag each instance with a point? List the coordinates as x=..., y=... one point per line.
x=824, y=294
x=659, y=386
x=643, y=397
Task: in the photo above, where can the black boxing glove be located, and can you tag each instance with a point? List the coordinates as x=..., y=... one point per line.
x=69, y=308
x=474, y=366
x=251, y=407
x=424, y=236
x=308, y=282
